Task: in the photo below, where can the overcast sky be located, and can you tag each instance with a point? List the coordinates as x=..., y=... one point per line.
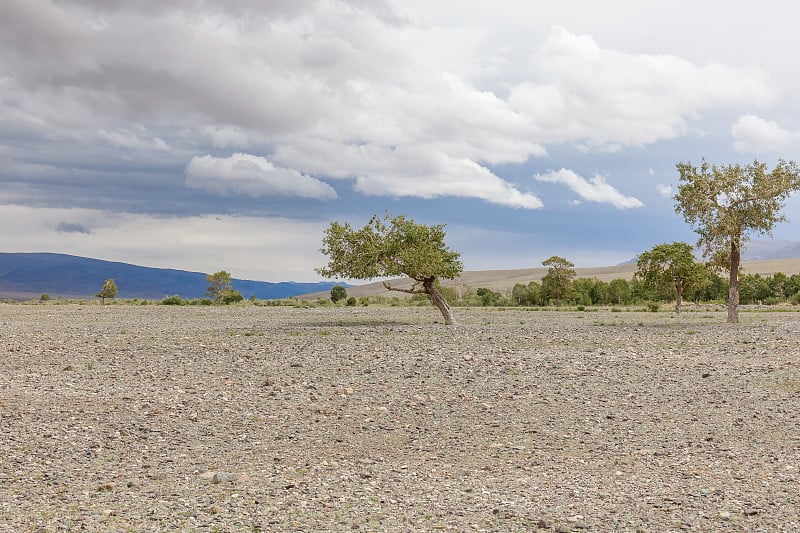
x=207, y=135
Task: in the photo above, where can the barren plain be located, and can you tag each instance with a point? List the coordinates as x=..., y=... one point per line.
x=244, y=418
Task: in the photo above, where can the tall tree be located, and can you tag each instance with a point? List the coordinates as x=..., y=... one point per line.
x=109, y=290
x=668, y=266
x=393, y=246
x=219, y=284
x=725, y=204
x=556, y=283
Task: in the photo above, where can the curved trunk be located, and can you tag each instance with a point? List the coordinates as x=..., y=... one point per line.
x=678, y=295
x=439, y=301
x=733, y=293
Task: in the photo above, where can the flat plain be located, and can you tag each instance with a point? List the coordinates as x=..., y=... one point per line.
x=245, y=418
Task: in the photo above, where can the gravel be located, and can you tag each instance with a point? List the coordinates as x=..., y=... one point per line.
x=242, y=418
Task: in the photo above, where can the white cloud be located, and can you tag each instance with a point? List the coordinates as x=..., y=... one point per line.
x=665, y=191
x=594, y=190
x=405, y=171
x=581, y=92
x=755, y=134
x=128, y=140
x=254, y=176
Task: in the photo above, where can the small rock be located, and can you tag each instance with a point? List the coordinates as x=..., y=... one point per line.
x=543, y=524
x=563, y=529
x=580, y=524
x=750, y=512
x=467, y=357
x=222, y=477
x=725, y=515
x=107, y=487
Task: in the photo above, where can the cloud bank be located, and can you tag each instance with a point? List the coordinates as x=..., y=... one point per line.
x=595, y=189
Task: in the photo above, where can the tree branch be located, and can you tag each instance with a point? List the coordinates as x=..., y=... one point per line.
x=412, y=290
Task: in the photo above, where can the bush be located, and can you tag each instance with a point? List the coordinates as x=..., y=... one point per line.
x=338, y=293
x=231, y=296
x=44, y=297
x=351, y=301
x=653, y=307
x=173, y=300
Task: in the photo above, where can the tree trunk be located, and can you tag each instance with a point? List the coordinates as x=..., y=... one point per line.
x=439, y=301
x=733, y=293
x=678, y=295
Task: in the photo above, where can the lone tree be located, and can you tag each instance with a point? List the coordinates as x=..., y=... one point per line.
x=725, y=204
x=393, y=246
x=667, y=266
x=219, y=284
x=556, y=283
x=109, y=290
x=338, y=293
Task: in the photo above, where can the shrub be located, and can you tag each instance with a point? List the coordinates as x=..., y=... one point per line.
x=653, y=307
x=338, y=293
x=173, y=300
x=351, y=301
x=44, y=297
x=231, y=296
x=363, y=301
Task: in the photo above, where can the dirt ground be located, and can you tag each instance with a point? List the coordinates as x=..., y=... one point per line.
x=243, y=418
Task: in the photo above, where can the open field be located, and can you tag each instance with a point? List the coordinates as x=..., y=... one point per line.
x=241, y=418
x=504, y=280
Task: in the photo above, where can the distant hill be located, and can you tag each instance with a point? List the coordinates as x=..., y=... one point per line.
x=504, y=280
x=28, y=275
x=757, y=250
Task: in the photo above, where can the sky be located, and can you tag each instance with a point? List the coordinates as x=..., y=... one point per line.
x=207, y=135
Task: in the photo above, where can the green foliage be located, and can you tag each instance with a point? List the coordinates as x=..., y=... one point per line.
x=109, y=290
x=725, y=204
x=218, y=283
x=556, y=284
x=351, y=301
x=230, y=296
x=44, y=297
x=173, y=300
x=392, y=246
x=338, y=293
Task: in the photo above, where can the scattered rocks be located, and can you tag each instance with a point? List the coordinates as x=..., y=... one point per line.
x=372, y=419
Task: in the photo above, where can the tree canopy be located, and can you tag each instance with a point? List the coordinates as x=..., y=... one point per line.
x=392, y=246
x=109, y=290
x=725, y=204
x=668, y=268
x=219, y=285
x=556, y=283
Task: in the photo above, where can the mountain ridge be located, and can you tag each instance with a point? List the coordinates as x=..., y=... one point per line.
x=30, y=274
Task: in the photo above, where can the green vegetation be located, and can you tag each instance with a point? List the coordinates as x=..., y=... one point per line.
x=393, y=246
x=667, y=267
x=338, y=293
x=218, y=284
x=557, y=283
x=109, y=290
x=725, y=204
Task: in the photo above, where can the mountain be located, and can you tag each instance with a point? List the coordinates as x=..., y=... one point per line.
x=28, y=275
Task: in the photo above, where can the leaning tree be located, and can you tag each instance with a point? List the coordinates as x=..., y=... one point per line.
x=393, y=246
x=724, y=204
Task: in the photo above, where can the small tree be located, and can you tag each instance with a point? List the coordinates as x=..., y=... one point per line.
x=558, y=280
x=109, y=290
x=393, y=246
x=338, y=293
x=668, y=266
x=218, y=283
x=725, y=204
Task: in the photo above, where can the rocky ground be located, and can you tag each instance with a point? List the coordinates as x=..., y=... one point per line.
x=156, y=418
